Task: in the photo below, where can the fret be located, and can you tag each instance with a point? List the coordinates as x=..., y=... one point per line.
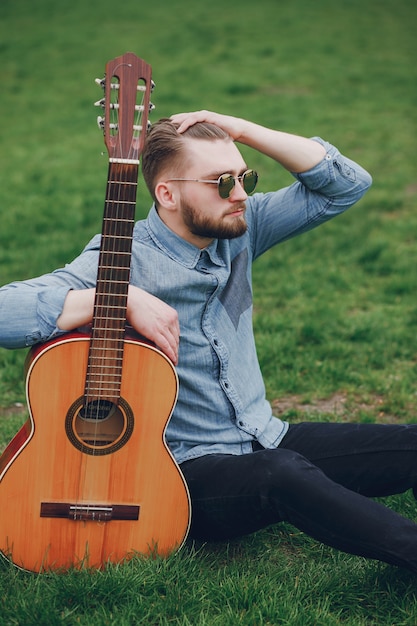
x=113, y=308
x=105, y=361
x=109, y=358
x=96, y=375
x=119, y=219
x=109, y=338
x=106, y=318
x=116, y=325
x=104, y=339
x=108, y=379
x=123, y=269
x=118, y=252
x=106, y=356
x=112, y=344
x=113, y=282
x=104, y=374
x=97, y=389
x=103, y=386
x=97, y=380
x=118, y=201
x=113, y=295
x=125, y=182
x=111, y=341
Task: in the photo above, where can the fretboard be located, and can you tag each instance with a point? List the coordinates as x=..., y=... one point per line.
x=105, y=360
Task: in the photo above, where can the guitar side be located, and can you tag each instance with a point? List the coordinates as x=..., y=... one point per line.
x=66, y=505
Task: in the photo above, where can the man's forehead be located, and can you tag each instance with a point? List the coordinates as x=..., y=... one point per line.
x=217, y=155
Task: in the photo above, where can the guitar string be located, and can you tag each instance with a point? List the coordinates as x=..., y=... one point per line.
x=119, y=212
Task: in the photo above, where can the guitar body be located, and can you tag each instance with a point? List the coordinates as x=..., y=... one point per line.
x=84, y=492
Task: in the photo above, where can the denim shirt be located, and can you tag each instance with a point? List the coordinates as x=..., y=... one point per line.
x=222, y=407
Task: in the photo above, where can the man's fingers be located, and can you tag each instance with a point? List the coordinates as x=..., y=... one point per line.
x=168, y=342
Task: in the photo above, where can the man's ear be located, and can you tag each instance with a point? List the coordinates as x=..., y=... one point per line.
x=166, y=195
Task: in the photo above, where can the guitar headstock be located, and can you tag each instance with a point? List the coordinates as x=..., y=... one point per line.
x=127, y=86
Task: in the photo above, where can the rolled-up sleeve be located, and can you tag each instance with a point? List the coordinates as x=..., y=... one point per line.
x=336, y=177
x=29, y=309
x=319, y=194
x=28, y=313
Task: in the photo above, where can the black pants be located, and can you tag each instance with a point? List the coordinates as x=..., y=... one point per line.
x=320, y=479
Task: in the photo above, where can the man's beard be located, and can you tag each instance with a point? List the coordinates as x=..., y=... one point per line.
x=210, y=228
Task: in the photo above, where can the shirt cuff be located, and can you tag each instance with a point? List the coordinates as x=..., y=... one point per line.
x=49, y=308
x=324, y=172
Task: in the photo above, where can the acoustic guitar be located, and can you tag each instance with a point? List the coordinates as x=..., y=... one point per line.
x=89, y=478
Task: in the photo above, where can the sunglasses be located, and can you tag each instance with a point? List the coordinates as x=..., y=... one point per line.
x=226, y=182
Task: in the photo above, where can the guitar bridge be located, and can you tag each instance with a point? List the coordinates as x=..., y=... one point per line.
x=90, y=512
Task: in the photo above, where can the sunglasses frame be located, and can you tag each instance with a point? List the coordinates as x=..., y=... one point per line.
x=221, y=182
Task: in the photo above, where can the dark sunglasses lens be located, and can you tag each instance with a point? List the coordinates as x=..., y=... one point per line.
x=225, y=184
x=249, y=180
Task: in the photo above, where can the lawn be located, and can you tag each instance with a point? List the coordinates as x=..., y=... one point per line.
x=335, y=310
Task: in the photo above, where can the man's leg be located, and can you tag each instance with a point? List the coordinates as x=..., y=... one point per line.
x=234, y=495
x=372, y=459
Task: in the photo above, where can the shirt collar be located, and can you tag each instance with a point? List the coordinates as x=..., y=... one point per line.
x=178, y=248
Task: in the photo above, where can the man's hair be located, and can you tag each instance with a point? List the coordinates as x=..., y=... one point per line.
x=165, y=148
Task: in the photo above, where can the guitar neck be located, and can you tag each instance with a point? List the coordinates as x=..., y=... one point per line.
x=110, y=307
x=126, y=104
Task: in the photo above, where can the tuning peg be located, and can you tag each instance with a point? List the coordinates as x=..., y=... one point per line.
x=102, y=103
x=101, y=122
x=101, y=82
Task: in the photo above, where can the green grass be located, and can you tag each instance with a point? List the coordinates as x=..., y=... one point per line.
x=275, y=577
x=335, y=310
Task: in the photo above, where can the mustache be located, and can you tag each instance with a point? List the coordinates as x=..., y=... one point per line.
x=237, y=207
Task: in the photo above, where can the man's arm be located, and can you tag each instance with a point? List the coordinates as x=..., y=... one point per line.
x=148, y=315
x=39, y=309
x=296, y=154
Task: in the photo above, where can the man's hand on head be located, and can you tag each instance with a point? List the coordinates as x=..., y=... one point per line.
x=232, y=125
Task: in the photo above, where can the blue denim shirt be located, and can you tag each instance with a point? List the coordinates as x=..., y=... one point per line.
x=221, y=406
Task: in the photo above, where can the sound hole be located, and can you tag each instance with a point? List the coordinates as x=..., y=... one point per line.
x=97, y=410
x=99, y=426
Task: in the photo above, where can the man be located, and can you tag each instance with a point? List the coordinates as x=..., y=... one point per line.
x=191, y=294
